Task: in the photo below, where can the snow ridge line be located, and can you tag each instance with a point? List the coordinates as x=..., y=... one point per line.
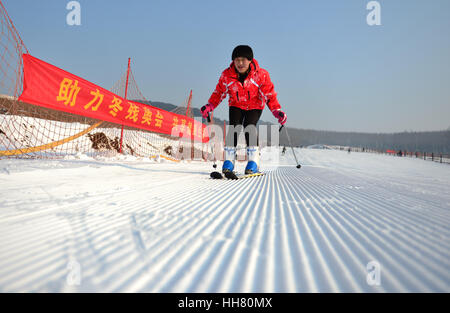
x=376, y=243
x=288, y=231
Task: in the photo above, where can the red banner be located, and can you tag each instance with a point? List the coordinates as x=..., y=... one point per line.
x=51, y=87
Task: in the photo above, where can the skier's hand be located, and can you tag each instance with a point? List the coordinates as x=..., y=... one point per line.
x=280, y=115
x=206, y=109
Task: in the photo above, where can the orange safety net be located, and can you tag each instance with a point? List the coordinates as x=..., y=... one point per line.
x=30, y=131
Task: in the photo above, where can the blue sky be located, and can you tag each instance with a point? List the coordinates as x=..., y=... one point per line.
x=330, y=69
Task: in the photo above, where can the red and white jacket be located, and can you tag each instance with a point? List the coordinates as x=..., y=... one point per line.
x=255, y=93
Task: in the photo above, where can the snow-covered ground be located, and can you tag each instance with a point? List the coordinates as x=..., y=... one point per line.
x=343, y=222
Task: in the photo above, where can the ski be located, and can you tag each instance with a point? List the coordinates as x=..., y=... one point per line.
x=216, y=175
x=233, y=176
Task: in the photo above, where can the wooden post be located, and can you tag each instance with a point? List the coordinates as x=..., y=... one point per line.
x=189, y=103
x=126, y=94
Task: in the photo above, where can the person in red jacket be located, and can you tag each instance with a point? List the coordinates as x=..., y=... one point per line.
x=249, y=89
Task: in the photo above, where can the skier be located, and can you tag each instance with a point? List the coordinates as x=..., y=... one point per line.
x=249, y=89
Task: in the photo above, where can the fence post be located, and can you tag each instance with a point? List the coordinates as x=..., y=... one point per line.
x=126, y=95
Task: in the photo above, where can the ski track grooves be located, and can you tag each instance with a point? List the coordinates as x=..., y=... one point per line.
x=288, y=231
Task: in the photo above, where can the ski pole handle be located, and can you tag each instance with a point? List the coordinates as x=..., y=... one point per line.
x=209, y=118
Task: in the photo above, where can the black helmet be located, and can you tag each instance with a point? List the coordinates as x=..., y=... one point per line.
x=242, y=51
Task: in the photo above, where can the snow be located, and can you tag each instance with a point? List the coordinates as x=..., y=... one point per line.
x=129, y=224
x=22, y=132
x=317, y=147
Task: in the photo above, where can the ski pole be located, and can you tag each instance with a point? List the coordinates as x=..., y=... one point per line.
x=212, y=148
x=290, y=143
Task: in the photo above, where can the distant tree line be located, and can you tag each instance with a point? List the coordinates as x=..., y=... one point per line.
x=435, y=141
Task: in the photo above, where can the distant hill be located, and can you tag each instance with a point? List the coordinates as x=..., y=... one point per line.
x=433, y=141
x=162, y=105
x=436, y=141
x=196, y=111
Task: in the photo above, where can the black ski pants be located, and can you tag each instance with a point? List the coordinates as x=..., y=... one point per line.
x=240, y=119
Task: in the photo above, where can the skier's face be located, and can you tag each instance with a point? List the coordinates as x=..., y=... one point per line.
x=242, y=64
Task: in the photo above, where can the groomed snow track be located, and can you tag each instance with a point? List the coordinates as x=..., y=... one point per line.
x=133, y=226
